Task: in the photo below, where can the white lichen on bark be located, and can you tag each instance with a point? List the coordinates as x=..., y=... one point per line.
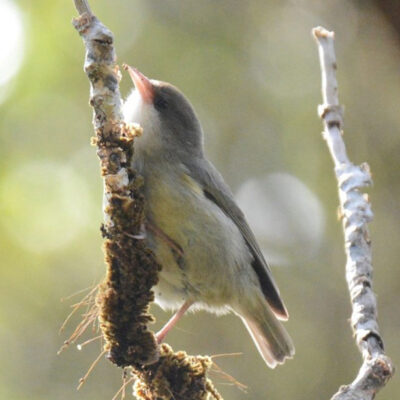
x=356, y=213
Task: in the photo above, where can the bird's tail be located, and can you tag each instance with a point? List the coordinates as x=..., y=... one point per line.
x=270, y=337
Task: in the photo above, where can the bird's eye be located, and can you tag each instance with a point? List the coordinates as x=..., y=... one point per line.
x=160, y=103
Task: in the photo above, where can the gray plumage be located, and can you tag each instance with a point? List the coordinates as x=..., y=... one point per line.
x=208, y=252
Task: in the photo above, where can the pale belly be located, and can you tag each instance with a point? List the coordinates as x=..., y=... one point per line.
x=214, y=267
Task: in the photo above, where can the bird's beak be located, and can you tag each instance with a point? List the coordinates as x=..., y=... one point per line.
x=142, y=83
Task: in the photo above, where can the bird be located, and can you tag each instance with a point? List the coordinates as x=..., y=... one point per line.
x=209, y=256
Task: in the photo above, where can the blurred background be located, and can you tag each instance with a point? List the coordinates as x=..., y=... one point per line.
x=251, y=70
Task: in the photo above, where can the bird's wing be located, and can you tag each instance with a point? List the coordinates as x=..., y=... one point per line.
x=217, y=191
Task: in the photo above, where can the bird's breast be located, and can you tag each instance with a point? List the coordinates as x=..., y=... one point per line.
x=215, y=257
x=176, y=204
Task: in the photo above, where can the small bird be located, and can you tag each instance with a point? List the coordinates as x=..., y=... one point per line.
x=210, y=258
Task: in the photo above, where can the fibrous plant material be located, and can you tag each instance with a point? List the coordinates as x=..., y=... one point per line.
x=123, y=298
x=356, y=213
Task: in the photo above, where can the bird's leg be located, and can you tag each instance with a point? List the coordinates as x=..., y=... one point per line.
x=161, y=334
x=163, y=236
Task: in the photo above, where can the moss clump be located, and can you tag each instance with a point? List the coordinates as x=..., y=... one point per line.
x=132, y=271
x=175, y=376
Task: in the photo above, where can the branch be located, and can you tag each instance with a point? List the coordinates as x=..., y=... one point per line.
x=124, y=296
x=356, y=213
x=82, y=6
x=123, y=317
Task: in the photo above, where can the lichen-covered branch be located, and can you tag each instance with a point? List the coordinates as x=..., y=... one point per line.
x=131, y=269
x=124, y=296
x=356, y=213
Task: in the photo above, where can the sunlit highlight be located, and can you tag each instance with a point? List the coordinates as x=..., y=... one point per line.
x=12, y=46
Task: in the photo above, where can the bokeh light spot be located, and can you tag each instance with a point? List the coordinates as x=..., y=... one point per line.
x=287, y=217
x=12, y=46
x=44, y=205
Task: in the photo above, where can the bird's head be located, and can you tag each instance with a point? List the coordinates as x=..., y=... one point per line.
x=169, y=122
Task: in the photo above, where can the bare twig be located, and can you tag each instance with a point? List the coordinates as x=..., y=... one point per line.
x=82, y=6
x=356, y=212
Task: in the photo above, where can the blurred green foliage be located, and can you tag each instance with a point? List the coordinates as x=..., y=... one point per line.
x=251, y=70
